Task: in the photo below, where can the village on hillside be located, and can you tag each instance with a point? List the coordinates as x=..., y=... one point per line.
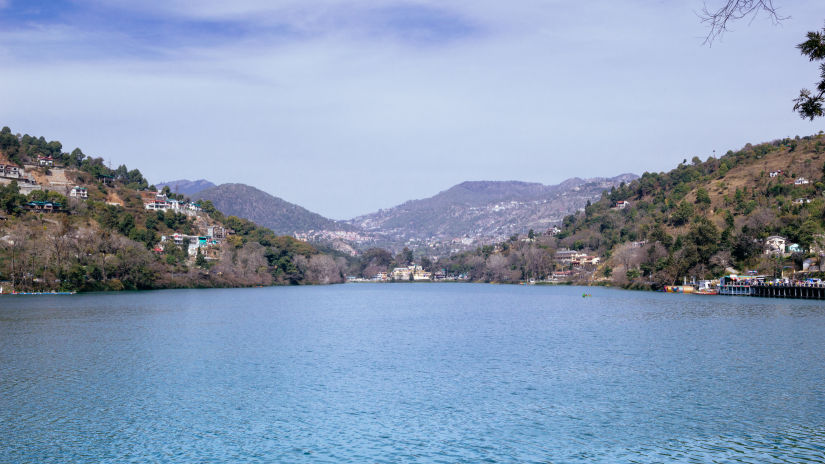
x=46, y=176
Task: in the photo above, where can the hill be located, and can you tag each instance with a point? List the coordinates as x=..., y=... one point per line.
x=267, y=210
x=185, y=186
x=705, y=217
x=485, y=210
x=69, y=223
x=758, y=209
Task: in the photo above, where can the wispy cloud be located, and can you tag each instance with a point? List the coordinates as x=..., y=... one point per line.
x=382, y=102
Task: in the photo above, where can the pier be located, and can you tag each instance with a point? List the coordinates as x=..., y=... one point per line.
x=736, y=290
x=808, y=292
x=767, y=290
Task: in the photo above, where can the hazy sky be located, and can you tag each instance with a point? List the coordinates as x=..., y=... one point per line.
x=347, y=106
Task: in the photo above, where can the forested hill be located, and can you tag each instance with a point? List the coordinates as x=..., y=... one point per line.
x=486, y=209
x=267, y=210
x=704, y=217
x=68, y=222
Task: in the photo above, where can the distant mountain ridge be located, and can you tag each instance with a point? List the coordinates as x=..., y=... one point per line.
x=486, y=209
x=186, y=186
x=466, y=214
x=267, y=210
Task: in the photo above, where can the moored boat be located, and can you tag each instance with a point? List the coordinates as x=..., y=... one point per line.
x=679, y=289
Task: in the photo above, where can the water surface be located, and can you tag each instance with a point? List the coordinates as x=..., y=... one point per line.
x=411, y=373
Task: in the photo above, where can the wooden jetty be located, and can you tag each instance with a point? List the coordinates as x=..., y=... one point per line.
x=757, y=286
x=808, y=292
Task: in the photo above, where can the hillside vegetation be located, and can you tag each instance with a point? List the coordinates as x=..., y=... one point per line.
x=483, y=211
x=110, y=241
x=700, y=220
x=706, y=217
x=267, y=210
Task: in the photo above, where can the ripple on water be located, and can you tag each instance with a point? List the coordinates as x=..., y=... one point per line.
x=434, y=373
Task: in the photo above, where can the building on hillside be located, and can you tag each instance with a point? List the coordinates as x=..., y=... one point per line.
x=561, y=275
x=421, y=274
x=217, y=232
x=818, y=244
x=775, y=173
x=401, y=273
x=565, y=256
x=775, y=245
x=621, y=204
x=43, y=206
x=801, y=181
x=10, y=170
x=555, y=230
x=105, y=179
x=591, y=260
x=46, y=161
x=801, y=201
x=795, y=248
x=155, y=202
x=79, y=192
x=411, y=272
x=196, y=243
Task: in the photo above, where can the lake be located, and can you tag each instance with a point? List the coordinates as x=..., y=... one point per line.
x=411, y=373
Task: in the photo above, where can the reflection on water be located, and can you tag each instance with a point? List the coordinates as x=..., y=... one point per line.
x=411, y=373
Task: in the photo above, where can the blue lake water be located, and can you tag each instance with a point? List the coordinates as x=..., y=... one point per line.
x=411, y=373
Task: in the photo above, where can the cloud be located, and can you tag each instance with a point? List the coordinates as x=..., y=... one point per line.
x=345, y=106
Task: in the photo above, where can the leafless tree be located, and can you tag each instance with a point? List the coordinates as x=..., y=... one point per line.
x=323, y=269
x=717, y=18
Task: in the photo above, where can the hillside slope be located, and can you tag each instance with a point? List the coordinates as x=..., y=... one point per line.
x=705, y=217
x=70, y=223
x=486, y=209
x=267, y=210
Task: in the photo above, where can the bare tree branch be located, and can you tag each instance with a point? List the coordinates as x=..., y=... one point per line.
x=733, y=10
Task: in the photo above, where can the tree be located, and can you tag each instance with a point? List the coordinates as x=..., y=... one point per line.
x=809, y=103
x=200, y=260
x=682, y=214
x=732, y=10
x=405, y=257
x=702, y=196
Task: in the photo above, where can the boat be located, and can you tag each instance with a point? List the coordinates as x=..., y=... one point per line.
x=679, y=289
x=706, y=288
x=40, y=293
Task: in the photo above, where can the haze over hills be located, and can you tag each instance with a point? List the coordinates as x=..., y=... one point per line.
x=185, y=186
x=465, y=215
x=474, y=212
x=267, y=210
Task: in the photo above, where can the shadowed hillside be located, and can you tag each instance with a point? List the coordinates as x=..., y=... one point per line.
x=267, y=210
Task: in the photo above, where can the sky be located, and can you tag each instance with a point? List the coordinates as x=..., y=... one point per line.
x=348, y=106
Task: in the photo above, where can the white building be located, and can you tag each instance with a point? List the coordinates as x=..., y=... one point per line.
x=412, y=271
x=79, y=192
x=775, y=245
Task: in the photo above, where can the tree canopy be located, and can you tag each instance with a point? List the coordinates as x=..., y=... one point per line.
x=809, y=103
